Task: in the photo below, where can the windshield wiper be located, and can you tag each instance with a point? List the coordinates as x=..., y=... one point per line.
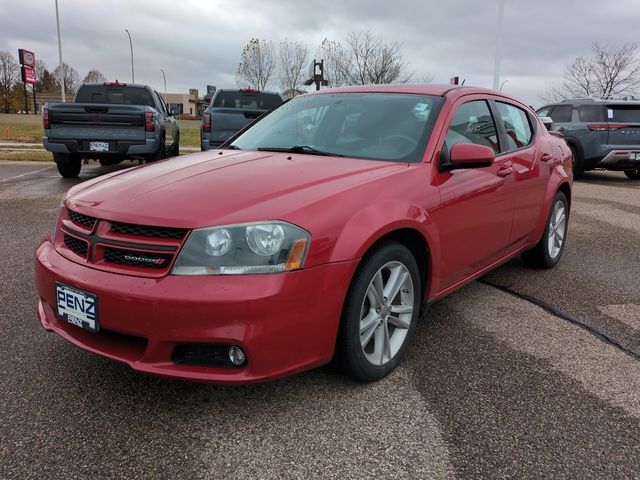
x=299, y=149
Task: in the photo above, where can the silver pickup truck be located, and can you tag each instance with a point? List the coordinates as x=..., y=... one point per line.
x=109, y=122
x=230, y=111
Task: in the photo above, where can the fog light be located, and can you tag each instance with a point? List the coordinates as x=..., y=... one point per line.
x=236, y=355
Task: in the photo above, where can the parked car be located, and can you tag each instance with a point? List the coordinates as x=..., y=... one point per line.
x=109, y=122
x=601, y=133
x=321, y=232
x=231, y=110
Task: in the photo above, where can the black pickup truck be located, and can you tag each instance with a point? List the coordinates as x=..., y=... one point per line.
x=109, y=122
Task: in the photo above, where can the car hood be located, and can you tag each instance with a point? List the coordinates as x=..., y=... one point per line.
x=213, y=188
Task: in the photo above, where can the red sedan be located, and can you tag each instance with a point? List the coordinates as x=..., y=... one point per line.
x=321, y=232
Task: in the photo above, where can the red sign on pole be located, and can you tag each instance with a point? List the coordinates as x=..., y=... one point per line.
x=27, y=58
x=29, y=75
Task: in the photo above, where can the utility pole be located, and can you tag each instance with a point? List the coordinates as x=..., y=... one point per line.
x=496, y=65
x=64, y=99
x=164, y=77
x=133, y=78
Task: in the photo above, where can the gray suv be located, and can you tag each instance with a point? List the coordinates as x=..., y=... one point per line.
x=601, y=133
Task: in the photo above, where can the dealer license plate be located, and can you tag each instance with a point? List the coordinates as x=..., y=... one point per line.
x=77, y=307
x=99, y=146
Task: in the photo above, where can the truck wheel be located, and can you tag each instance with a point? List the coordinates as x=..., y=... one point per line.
x=175, y=150
x=68, y=165
x=576, y=162
x=633, y=174
x=548, y=250
x=160, y=154
x=380, y=313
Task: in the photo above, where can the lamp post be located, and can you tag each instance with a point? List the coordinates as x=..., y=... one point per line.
x=164, y=77
x=133, y=78
x=61, y=79
x=502, y=84
x=496, y=65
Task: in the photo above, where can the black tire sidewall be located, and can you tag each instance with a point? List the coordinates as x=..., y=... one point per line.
x=549, y=261
x=349, y=350
x=633, y=174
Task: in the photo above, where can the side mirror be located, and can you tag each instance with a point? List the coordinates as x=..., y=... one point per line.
x=469, y=155
x=547, y=122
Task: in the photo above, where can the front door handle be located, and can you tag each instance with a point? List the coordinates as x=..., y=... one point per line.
x=505, y=171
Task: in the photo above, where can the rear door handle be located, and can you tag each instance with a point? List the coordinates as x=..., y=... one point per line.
x=546, y=157
x=505, y=171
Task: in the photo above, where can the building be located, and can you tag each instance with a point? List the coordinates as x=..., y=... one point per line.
x=185, y=104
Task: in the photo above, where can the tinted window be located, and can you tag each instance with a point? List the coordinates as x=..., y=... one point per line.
x=473, y=123
x=591, y=113
x=623, y=113
x=378, y=126
x=516, y=125
x=561, y=113
x=544, y=111
x=114, y=95
x=246, y=100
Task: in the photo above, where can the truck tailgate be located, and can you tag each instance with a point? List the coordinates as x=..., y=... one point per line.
x=97, y=121
x=227, y=121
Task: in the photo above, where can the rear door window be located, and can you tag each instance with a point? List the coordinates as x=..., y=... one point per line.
x=591, y=113
x=516, y=125
x=561, y=113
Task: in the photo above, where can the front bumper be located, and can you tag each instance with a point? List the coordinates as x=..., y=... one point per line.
x=286, y=323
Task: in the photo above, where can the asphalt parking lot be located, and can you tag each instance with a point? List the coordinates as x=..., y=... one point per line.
x=495, y=385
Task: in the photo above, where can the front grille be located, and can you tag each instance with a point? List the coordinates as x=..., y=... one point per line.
x=80, y=219
x=134, y=258
x=76, y=245
x=146, y=231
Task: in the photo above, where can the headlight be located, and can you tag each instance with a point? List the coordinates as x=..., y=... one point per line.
x=269, y=247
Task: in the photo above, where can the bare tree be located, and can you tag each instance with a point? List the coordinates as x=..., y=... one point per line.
x=9, y=73
x=70, y=77
x=292, y=58
x=365, y=58
x=94, y=76
x=609, y=72
x=257, y=63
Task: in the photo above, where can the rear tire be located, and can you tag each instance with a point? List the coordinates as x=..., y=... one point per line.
x=576, y=162
x=548, y=251
x=375, y=331
x=68, y=165
x=633, y=174
x=160, y=154
x=175, y=149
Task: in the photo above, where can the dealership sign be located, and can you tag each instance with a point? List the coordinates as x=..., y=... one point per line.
x=28, y=62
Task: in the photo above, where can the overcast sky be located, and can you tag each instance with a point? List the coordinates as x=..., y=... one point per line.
x=198, y=42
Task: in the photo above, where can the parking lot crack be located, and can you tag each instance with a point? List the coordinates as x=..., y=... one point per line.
x=560, y=313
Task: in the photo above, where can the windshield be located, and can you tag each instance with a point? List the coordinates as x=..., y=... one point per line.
x=114, y=94
x=246, y=100
x=377, y=126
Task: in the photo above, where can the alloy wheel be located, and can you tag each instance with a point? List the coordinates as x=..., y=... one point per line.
x=386, y=313
x=557, y=229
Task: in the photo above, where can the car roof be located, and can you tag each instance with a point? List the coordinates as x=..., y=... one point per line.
x=441, y=90
x=592, y=101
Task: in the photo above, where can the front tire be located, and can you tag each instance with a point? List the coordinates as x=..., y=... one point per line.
x=380, y=313
x=548, y=251
x=68, y=165
x=633, y=174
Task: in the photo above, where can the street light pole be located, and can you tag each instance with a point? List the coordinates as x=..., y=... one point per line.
x=502, y=84
x=64, y=99
x=164, y=77
x=496, y=65
x=133, y=78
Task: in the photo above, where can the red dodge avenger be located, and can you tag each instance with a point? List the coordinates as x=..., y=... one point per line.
x=320, y=232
